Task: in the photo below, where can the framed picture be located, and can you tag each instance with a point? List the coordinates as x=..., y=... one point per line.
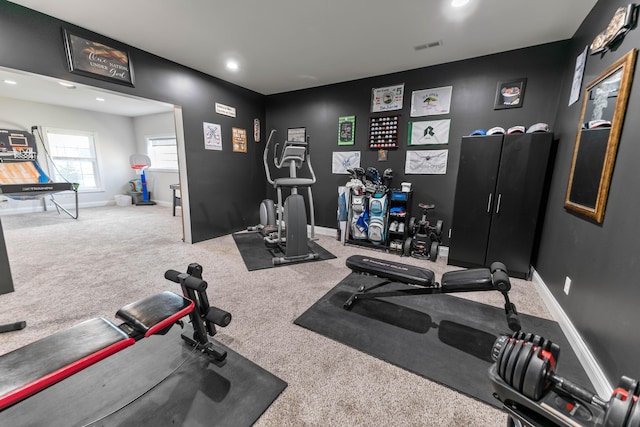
x=387, y=98
x=212, y=136
x=510, y=94
x=239, y=137
x=98, y=60
x=346, y=130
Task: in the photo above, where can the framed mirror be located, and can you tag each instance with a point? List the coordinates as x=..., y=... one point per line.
x=594, y=153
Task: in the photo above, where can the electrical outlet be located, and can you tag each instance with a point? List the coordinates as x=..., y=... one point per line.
x=567, y=285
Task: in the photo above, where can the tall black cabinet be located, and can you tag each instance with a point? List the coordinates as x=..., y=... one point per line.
x=499, y=192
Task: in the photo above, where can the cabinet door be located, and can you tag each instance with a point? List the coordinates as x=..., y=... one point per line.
x=474, y=199
x=521, y=178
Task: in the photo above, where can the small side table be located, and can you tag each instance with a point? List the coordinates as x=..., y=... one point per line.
x=176, y=199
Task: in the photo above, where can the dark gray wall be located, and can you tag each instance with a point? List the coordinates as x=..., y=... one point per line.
x=33, y=42
x=601, y=260
x=6, y=282
x=474, y=87
x=226, y=187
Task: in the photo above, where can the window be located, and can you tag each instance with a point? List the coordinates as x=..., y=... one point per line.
x=73, y=154
x=163, y=152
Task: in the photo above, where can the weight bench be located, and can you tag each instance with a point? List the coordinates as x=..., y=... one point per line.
x=423, y=282
x=36, y=366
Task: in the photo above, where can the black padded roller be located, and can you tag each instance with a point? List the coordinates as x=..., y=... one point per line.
x=501, y=281
x=172, y=275
x=218, y=316
x=195, y=283
x=497, y=266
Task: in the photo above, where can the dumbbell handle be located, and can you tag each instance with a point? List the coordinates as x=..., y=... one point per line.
x=577, y=391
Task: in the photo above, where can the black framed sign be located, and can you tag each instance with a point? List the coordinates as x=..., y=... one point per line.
x=510, y=93
x=98, y=60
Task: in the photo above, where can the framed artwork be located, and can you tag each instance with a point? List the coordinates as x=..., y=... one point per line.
x=429, y=132
x=347, y=130
x=383, y=155
x=342, y=160
x=578, y=75
x=212, y=136
x=239, y=137
x=91, y=58
x=388, y=98
x=510, y=94
x=429, y=102
x=297, y=134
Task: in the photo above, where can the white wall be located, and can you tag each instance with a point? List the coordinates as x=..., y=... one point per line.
x=115, y=142
x=158, y=181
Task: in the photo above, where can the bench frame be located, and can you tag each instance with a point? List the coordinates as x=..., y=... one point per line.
x=495, y=278
x=45, y=362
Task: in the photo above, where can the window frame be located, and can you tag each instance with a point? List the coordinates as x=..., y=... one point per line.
x=92, y=135
x=148, y=144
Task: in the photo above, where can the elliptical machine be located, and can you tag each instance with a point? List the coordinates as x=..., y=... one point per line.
x=290, y=234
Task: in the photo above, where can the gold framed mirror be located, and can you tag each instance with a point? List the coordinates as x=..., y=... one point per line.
x=594, y=153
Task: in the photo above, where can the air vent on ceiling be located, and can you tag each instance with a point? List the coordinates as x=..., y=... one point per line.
x=428, y=45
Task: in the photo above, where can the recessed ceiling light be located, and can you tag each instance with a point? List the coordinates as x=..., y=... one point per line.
x=67, y=85
x=232, y=65
x=10, y=82
x=100, y=99
x=459, y=3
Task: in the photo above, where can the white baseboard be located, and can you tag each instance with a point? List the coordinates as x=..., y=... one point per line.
x=586, y=358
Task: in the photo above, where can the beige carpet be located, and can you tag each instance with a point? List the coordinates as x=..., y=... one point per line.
x=66, y=271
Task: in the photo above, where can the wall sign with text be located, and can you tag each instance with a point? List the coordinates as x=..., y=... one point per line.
x=98, y=60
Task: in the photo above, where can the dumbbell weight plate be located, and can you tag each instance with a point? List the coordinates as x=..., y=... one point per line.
x=505, y=358
x=511, y=363
x=524, y=357
x=618, y=411
x=534, y=384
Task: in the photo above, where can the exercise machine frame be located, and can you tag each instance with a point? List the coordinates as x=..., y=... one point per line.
x=291, y=213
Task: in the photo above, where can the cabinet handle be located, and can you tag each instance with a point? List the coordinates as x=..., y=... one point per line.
x=489, y=203
x=498, y=204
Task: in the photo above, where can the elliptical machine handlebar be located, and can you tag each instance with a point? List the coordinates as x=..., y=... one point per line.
x=296, y=151
x=264, y=157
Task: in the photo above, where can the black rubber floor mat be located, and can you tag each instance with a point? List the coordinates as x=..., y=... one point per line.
x=158, y=381
x=441, y=337
x=257, y=256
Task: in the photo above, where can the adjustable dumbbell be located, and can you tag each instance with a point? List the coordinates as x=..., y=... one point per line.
x=527, y=362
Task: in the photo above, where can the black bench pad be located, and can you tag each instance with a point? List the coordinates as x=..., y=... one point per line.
x=155, y=313
x=38, y=365
x=395, y=271
x=465, y=279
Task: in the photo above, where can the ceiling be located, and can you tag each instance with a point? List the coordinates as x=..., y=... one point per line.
x=47, y=90
x=284, y=45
